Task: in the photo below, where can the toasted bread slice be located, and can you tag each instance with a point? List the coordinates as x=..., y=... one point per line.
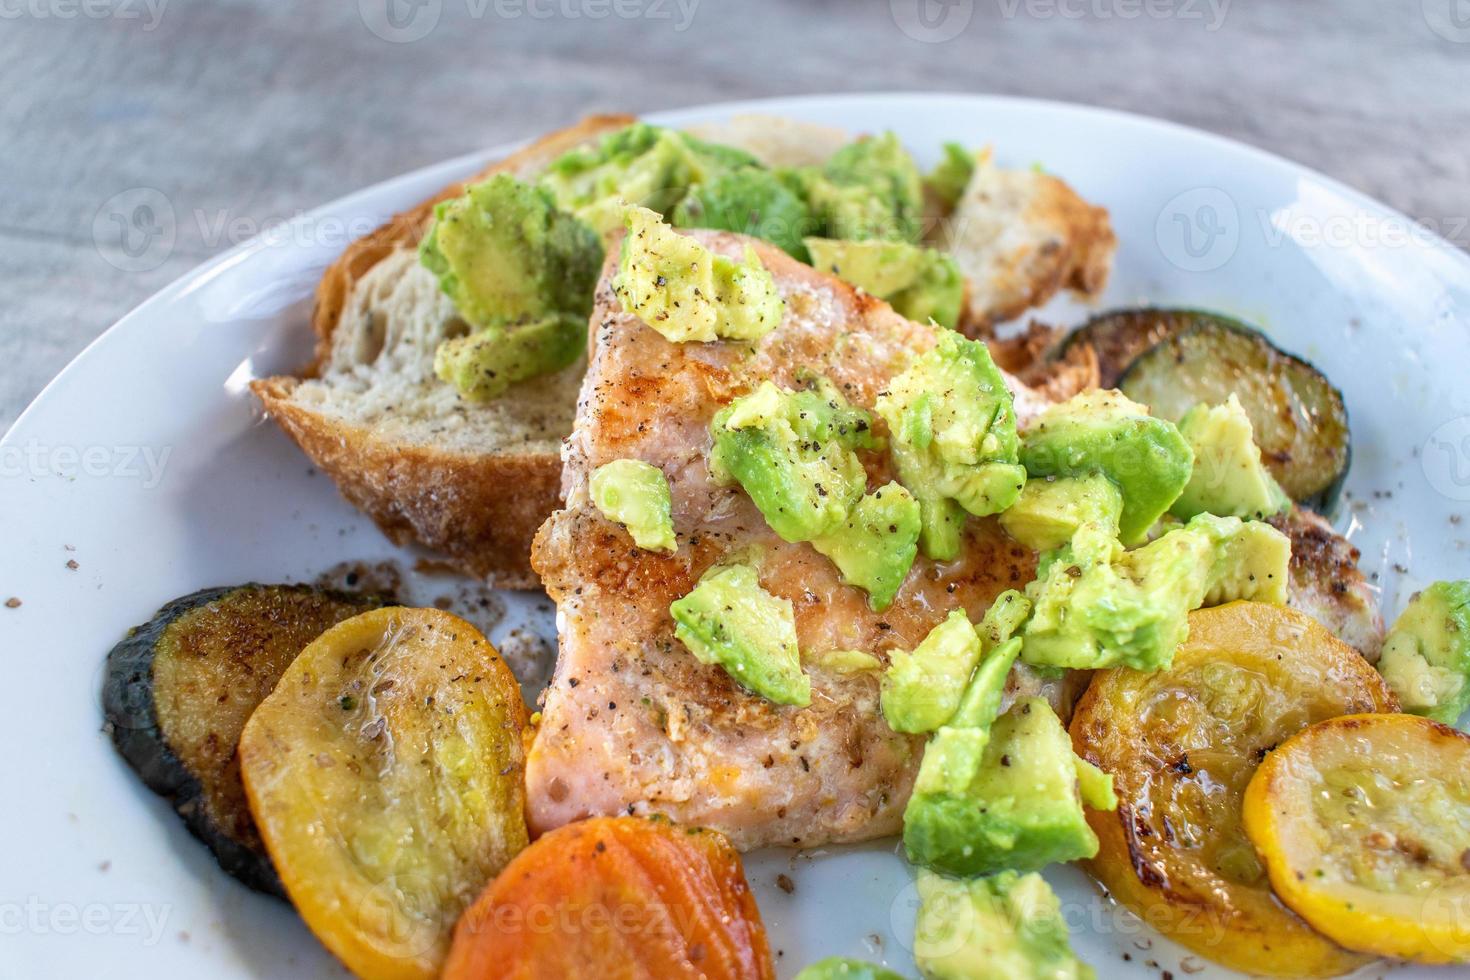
x=1019, y=237
x=473, y=481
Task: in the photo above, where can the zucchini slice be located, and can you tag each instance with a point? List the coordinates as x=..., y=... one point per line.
x=1120, y=336
x=179, y=688
x=385, y=772
x=1300, y=421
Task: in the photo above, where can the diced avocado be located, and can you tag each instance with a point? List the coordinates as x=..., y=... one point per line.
x=1251, y=560
x=1006, y=615
x=1095, y=786
x=1104, y=432
x=1228, y=478
x=640, y=165
x=1008, y=926
x=949, y=178
x=485, y=363
x=1021, y=810
x=635, y=494
x=953, y=755
x=844, y=968
x=728, y=619
x=792, y=451
x=920, y=283
x=922, y=689
x=503, y=252
x=751, y=201
x=884, y=168
x=1097, y=605
x=1050, y=510
x=875, y=547
x=867, y=189
x=1426, y=656
x=847, y=661
x=953, y=436
x=688, y=293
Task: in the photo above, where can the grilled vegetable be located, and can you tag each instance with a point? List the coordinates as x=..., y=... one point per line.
x=1299, y=420
x=1181, y=744
x=645, y=899
x=1364, y=825
x=179, y=688
x=1119, y=337
x=385, y=774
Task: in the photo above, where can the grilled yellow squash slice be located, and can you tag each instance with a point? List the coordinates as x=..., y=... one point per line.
x=1364, y=825
x=1181, y=745
x=385, y=774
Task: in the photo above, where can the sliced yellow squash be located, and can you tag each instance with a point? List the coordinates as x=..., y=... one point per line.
x=1181, y=745
x=385, y=774
x=1364, y=825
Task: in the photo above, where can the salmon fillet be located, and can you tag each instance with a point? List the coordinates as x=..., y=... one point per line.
x=632, y=722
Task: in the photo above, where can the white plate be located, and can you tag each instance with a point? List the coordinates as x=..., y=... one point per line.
x=147, y=456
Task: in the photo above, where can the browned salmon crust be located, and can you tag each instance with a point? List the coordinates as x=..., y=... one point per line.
x=632, y=722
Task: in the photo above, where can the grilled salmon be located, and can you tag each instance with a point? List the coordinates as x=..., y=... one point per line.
x=632, y=722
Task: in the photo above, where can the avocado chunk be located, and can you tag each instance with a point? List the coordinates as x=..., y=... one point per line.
x=728, y=619
x=793, y=452
x=503, y=252
x=848, y=661
x=946, y=183
x=688, y=293
x=951, y=758
x=1426, y=656
x=1104, y=432
x=845, y=968
x=1004, y=927
x=1097, y=605
x=1229, y=477
x=485, y=363
x=868, y=189
x=876, y=546
x=1050, y=510
x=635, y=494
x=640, y=165
x=1021, y=809
x=919, y=283
x=953, y=434
x=751, y=201
x=921, y=690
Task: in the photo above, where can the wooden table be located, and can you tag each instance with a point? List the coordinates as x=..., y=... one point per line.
x=240, y=114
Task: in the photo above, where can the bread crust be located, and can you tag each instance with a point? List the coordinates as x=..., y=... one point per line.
x=480, y=510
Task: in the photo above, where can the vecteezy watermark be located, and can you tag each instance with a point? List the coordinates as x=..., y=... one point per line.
x=1446, y=459
x=404, y=21
x=1450, y=19
x=1359, y=229
x=150, y=12
x=36, y=460
x=1198, y=230
x=1211, y=13
x=37, y=917
x=932, y=21
x=136, y=229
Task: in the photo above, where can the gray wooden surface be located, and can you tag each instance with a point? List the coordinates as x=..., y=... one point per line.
x=242, y=113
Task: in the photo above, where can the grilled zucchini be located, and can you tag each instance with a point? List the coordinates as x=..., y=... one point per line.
x=1299, y=420
x=179, y=688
